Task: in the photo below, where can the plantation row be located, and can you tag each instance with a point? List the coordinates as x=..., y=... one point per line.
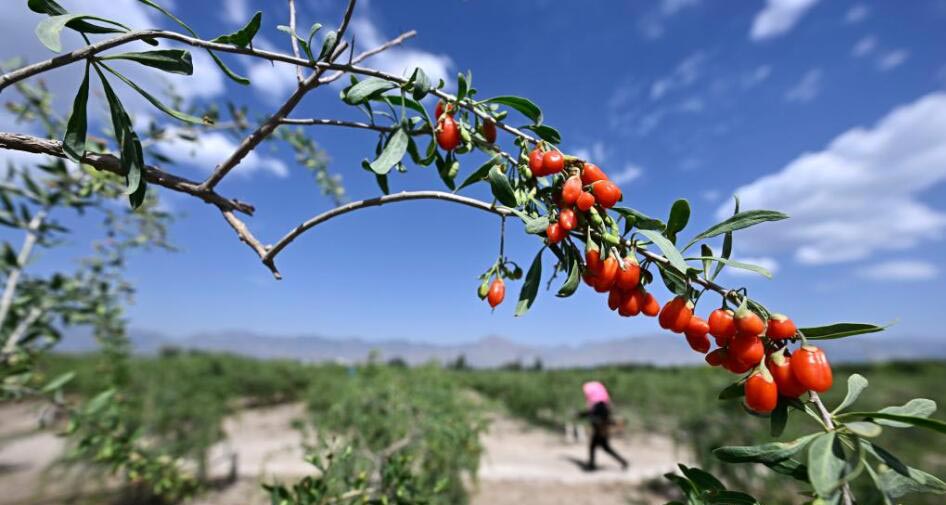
x=431, y=420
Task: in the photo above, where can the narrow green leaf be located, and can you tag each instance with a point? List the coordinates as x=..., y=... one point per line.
x=546, y=133
x=530, y=287
x=727, y=497
x=727, y=243
x=825, y=464
x=735, y=264
x=382, y=180
x=420, y=84
x=771, y=452
x=49, y=29
x=462, y=86
x=175, y=61
x=364, y=90
x=538, y=225
x=856, y=384
x=864, y=428
x=501, y=187
x=328, y=44
x=639, y=219
x=99, y=401
x=670, y=251
x=737, y=222
x=898, y=420
x=779, y=418
x=223, y=66
x=572, y=282
x=839, y=330
x=790, y=467
x=58, y=382
x=679, y=217
x=523, y=105
x=735, y=390
x=54, y=9
x=244, y=36
x=704, y=481
x=898, y=479
x=479, y=174
x=392, y=154
x=154, y=101
x=706, y=252
x=73, y=142
x=308, y=42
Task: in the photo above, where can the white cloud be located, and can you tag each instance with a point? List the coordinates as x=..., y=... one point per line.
x=765, y=262
x=652, y=24
x=807, y=88
x=212, y=148
x=899, y=270
x=687, y=72
x=864, y=46
x=596, y=152
x=858, y=196
x=710, y=195
x=856, y=14
x=627, y=175
x=400, y=60
x=272, y=80
x=892, y=59
x=778, y=18
x=757, y=76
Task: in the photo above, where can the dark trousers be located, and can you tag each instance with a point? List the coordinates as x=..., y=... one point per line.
x=599, y=440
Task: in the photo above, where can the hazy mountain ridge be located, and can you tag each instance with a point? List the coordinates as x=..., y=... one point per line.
x=491, y=351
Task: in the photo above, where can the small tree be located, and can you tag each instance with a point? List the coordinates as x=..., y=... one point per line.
x=568, y=203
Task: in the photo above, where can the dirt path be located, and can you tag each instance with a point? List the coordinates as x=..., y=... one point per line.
x=521, y=464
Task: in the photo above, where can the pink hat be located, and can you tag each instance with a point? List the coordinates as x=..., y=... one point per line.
x=595, y=392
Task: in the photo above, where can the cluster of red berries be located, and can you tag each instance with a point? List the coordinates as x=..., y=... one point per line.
x=621, y=280
x=581, y=191
x=743, y=339
x=448, y=131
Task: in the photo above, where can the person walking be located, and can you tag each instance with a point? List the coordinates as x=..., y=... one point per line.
x=598, y=414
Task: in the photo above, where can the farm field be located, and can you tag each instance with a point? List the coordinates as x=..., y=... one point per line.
x=478, y=436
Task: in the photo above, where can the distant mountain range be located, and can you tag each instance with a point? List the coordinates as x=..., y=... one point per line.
x=493, y=351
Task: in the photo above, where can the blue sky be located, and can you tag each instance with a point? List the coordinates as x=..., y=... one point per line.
x=833, y=112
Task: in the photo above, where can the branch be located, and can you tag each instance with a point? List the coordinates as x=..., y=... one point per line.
x=292, y=38
x=348, y=124
x=367, y=54
x=109, y=163
x=32, y=235
x=375, y=202
x=247, y=238
x=20, y=331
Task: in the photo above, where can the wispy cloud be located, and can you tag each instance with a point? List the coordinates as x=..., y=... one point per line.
x=778, y=17
x=861, y=194
x=892, y=59
x=756, y=76
x=652, y=25
x=630, y=173
x=864, y=46
x=807, y=88
x=687, y=72
x=856, y=14
x=899, y=271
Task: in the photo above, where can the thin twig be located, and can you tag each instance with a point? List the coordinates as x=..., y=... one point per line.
x=349, y=124
x=20, y=331
x=367, y=54
x=13, y=278
x=292, y=38
x=249, y=239
x=109, y=163
x=374, y=202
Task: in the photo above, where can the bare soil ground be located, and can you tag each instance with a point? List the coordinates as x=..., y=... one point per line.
x=521, y=464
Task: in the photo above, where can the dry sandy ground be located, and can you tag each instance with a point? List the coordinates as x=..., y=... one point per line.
x=521, y=464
